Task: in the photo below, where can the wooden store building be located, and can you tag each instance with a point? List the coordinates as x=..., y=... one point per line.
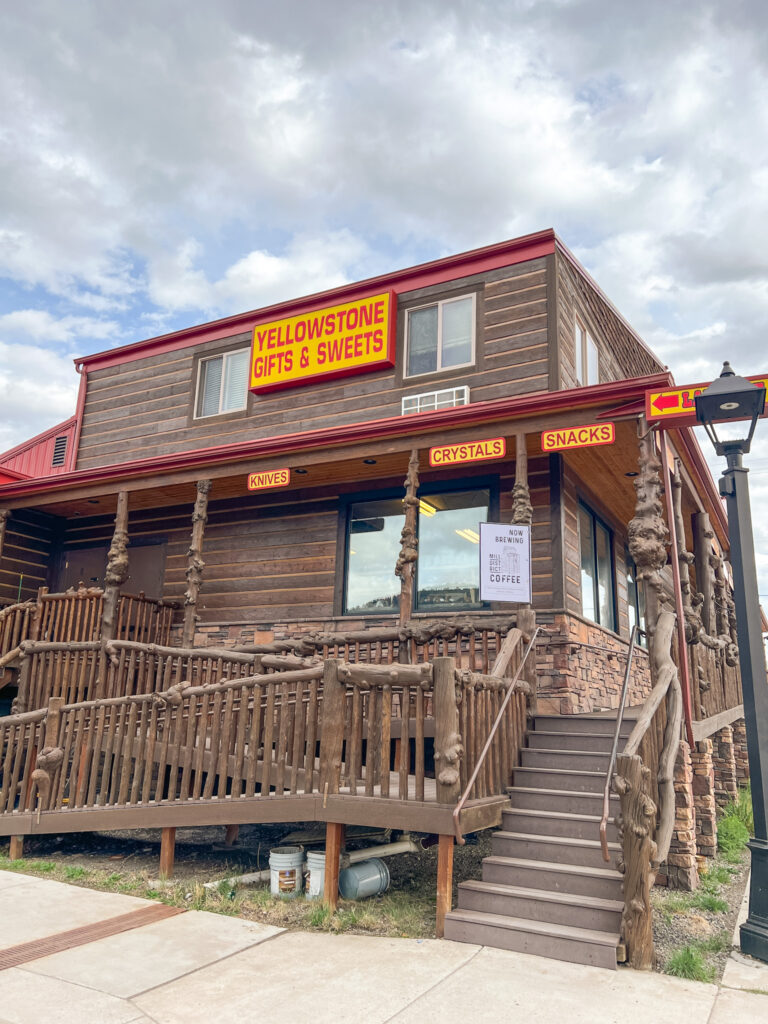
x=242, y=583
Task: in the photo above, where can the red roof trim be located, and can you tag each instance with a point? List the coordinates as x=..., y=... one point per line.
x=14, y=474
x=536, y=404
x=475, y=261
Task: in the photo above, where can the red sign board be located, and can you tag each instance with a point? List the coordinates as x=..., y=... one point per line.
x=676, y=407
x=578, y=437
x=269, y=478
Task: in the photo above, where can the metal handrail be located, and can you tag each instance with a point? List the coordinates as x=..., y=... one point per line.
x=615, y=746
x=510, y=690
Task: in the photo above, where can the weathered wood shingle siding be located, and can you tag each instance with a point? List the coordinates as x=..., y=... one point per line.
x=145, y=408
x=30, y=537
x=621, y=355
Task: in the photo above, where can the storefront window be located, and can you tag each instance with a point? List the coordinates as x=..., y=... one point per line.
x=447, y=571
x=598, y=598
x=635, y=598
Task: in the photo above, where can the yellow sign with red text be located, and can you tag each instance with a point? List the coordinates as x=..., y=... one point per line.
x=355, y=337
x=468, y=451
x=677, y=406
x=269, y=478
x=578, y=437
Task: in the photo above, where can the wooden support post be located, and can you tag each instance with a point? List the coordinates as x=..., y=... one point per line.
x=167, y=852
x=231, y=834
x=444, y=882
x=526, y=621
x=638, y=813
x=117, y=568
x=522, y=509
x=332, y=729
x=195, y=563
x=448, y=748
x=334, y=844
x=16, y=851
x=702, y=550
x=4, y=514
x=406, y=561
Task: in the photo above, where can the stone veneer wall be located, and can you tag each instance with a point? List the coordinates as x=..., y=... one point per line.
x=581, y=668
x=704, y=799
x=680, y=871
x=724, y=763
x=740, y=758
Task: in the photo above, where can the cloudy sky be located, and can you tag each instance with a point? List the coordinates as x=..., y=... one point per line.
x=164, y=162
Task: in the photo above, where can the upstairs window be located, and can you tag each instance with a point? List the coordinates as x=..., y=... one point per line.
x=222, y=383
x=440, y=336
x=587, y=363
x=598, y=596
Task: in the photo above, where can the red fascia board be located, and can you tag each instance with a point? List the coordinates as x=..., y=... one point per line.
x=448, y=268
x=12, y=474
x=537, y=404
x=37, y=439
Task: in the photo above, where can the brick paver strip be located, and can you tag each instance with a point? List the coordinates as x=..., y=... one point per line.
x=14, y=956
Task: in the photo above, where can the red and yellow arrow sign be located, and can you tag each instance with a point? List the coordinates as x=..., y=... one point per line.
x=677, y=407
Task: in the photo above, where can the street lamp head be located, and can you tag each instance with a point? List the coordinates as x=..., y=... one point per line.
x=730, y=398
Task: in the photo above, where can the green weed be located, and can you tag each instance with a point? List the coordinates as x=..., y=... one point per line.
x=689, y=962
x=741, y=809
x=73, y=872
x=708, y=901
x=732, y=835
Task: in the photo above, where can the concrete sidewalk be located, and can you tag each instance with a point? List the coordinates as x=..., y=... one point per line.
x=198, y=967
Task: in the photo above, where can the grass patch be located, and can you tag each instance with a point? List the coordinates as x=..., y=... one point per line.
x=72, y=873
x=708, y=901
x=732, y=836
x=741, y=809
x=689, y=962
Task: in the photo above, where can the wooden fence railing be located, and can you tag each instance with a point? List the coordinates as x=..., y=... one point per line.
x=322, y=728
x=75, y=617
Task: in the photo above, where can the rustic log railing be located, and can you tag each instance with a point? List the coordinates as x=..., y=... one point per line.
x=322, y=728
x=644, y=781
x=493, y=707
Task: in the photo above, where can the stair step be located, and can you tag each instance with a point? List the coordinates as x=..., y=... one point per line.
x=560, y=778
x=527, y=797
x=556, y=823
x=579, y=760
x=536, y=904
x=560, y=942
x=554, y=849
x=570, y=741
x=605, y=882
x=604, y=724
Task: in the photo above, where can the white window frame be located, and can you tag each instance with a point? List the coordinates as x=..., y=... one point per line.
x=582, y=338
x=431, y=401
x=223, y=356
x=440, y=303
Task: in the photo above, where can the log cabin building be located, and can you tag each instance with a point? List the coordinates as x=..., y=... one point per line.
x=239, y=486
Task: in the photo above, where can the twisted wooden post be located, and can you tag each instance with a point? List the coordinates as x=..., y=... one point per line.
x=117, y=568
x=406, y=561
x=195, y=563
x=522, y=509
x=638, y=813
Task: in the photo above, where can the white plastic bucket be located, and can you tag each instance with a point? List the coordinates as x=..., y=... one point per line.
x=315, y=881
x=366, y=878
x=285, y=871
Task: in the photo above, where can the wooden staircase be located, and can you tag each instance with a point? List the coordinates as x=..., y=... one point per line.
x=546, y=889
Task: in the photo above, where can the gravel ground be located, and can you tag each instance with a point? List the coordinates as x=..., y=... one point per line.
x=673, y=928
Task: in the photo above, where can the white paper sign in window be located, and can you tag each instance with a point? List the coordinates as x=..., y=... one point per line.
x=505, y=562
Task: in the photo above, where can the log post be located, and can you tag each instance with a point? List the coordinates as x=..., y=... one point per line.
x=231, y=834
x=444, y=882
x=409, y=543
x=334, y=844
x=647, y=533
x=16, y=849
x=526, y=621
x=195, y=563
x=4, y=514
x=522, y=509
x=332, y=735
x=167, y=852
x=638, y=813
x=117, y=568
x=448, y=746
x=702, y=548
x=691, y=599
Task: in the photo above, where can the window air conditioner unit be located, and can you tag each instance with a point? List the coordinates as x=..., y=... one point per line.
x=430, y=401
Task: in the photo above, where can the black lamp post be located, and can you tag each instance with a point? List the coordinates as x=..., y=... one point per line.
x=735, y=398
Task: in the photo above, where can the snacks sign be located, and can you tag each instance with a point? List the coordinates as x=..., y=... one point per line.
x=578, y=437
x=355, y=337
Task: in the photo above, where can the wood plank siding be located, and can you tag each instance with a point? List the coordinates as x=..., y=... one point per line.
x=145, y=408
x=273, y=558
x=621, y=353
x=29, y=541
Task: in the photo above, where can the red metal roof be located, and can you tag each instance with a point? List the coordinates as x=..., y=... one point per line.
x=34, y=458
